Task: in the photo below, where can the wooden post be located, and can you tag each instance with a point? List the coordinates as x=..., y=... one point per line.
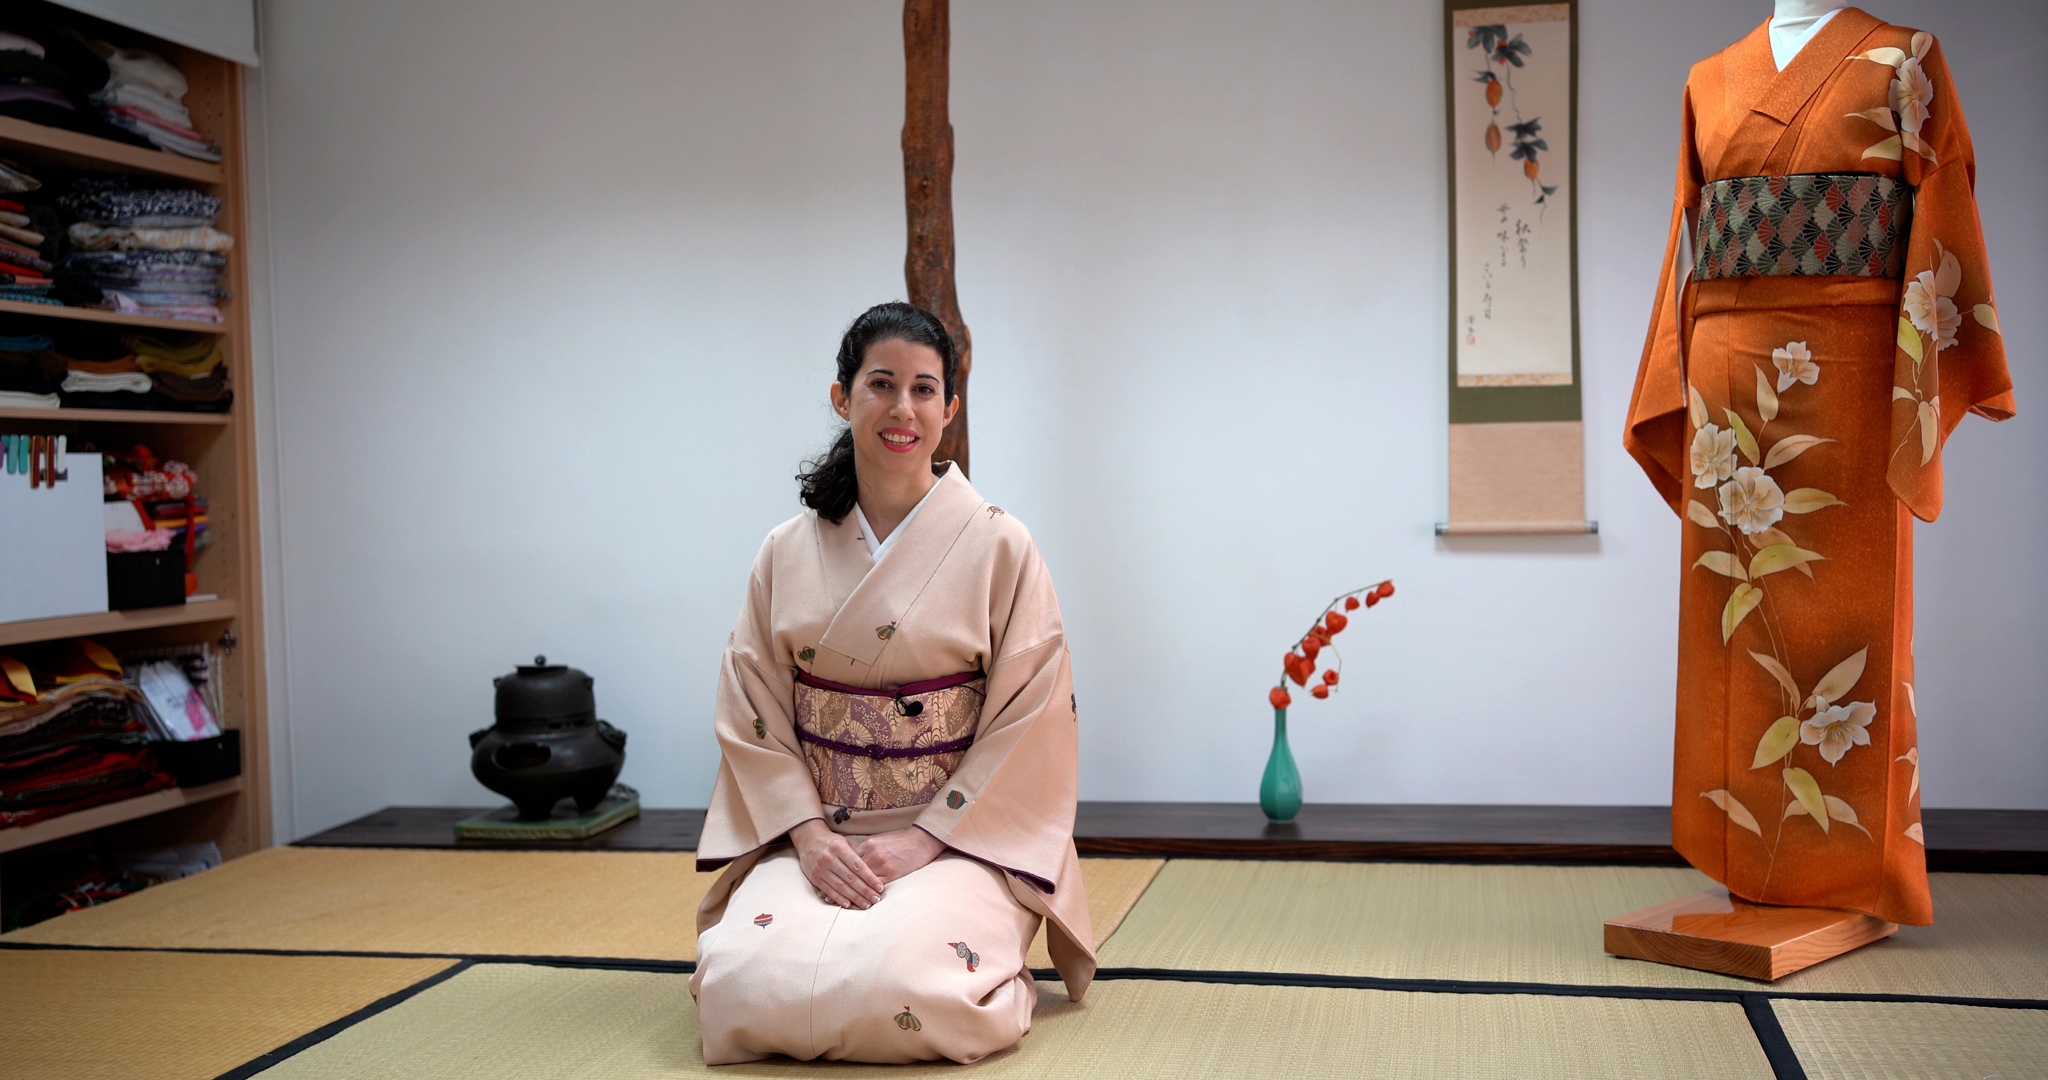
x=928, y=195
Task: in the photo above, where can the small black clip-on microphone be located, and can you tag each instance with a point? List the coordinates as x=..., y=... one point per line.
x=908, y=708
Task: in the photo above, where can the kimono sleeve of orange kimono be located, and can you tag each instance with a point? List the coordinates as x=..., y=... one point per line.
x=1950, y=357
x=963, y=589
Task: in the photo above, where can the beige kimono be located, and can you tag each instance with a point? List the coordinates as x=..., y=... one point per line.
x=936, y=968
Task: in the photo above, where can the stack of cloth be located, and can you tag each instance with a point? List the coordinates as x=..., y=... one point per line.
x=50, y=74
x=144, y=250
x=24, y=273
x=99, y=371
x=72, y=734
x=30, y=375
x=185, y=375
x=144, y=95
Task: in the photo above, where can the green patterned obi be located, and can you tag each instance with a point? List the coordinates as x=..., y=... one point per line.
x=1822, y=224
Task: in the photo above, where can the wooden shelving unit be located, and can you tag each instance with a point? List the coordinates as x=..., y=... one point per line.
x=221, y=448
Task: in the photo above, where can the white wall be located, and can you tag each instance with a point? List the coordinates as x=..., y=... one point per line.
x=553, y=291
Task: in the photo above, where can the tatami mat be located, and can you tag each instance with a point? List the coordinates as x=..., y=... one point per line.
x=617, y=904
x=1542, y=924
x=65, y=1014
x=1840, y=1040
x=520, y=1021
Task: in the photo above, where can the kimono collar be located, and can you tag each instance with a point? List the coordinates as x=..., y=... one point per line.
x=874, y=607
x=1784, y=93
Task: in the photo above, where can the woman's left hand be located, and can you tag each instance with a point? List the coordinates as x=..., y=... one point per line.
x=892, y=855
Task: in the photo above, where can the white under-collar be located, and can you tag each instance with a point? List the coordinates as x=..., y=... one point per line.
x=867, y=532
x=1789, y=35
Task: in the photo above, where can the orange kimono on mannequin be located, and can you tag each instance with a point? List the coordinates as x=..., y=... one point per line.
x=929, y=689
x=1825, y=320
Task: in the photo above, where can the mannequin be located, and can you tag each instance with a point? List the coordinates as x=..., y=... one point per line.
x=1794, y=22
x=1826, y=320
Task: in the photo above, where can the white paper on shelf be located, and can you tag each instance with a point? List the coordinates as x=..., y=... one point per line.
x=53, y=545
x=178, y=706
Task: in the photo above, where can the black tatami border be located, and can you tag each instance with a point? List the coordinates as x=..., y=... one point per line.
x=1756, y=1004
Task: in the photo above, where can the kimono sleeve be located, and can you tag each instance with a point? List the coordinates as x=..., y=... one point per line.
x=764, y=788
x=1950, y=357
x=1011, y=802
x=1656, y=431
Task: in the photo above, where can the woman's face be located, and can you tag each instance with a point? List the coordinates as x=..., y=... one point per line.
x=897, y=407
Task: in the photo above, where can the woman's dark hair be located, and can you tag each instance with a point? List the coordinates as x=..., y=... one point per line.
x=827, y=483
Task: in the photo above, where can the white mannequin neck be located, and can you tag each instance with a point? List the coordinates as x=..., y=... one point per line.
x=1793, y=24
x=1805, y=9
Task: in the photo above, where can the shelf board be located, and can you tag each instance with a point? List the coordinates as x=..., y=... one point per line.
x=96, y=315
x=118, y=416
x=113, y=813
x=113, y=622
x=92, y=152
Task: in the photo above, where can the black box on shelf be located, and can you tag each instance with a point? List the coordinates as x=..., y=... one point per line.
x=140, y=579
x=201, y=761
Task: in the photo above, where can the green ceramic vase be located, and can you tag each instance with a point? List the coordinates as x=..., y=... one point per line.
x=1280, y=791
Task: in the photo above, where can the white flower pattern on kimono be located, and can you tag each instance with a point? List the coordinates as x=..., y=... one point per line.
x=1930, y=312
x=1912, y=94
x=1752, y=501
x=1713, y=456
x=1795, y=365
x=1838, y=727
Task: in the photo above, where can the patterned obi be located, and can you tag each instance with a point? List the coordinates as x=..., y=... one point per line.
x=1823, y=224
x=882, y=749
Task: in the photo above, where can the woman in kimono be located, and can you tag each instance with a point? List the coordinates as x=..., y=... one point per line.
x=894, y=807
x=1825, y=321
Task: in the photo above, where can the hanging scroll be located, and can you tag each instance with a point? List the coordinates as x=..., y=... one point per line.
x=1517, y=447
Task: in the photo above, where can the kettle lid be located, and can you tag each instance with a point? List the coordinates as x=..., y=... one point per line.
x=541, y=691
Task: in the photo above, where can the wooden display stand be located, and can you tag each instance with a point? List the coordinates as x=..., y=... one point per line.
x=1713, y=931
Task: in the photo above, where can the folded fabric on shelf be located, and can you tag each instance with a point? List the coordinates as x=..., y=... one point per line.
x=115, y=201
x=194, y=354
x=158, y=137
x=203, y=393
x=90, y=237
x=123, y=93
x=15, y=399
x=29, y=258
x=134, y=382
x=122, y=366
x=152, y=119
x=162, y=305
x=141, y=67
x=13, y=42
x=26, y=236
x=14, y=181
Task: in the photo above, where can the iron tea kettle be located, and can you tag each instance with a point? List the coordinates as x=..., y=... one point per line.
x=548, y=743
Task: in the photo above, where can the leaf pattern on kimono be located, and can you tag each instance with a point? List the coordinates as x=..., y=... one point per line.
x=1987, y=317
x=1806, y=790
x=1744, y=441
x=1723, y=563
x=1909, y=340
x=1900, y=393
x=1778, y=672
x=1913, y=756
x=1777, y=741
x=1766, y=398
x=1844, y=813
x=1696, y=406
x=1791, y=446
x=1842, y=678
x=1890, y=150
x=1780, y=557
x=1700, y=515
x=1913, y=833
x=1741, y=602
x=1883, y=54
x=1881, y=116
x=1807, y=500
x=1737, y=813
x=1930, y=431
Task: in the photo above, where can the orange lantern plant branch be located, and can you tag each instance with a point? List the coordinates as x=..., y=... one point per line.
x=1300, y=662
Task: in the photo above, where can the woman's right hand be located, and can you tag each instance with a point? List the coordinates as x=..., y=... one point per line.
x=831, y=865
